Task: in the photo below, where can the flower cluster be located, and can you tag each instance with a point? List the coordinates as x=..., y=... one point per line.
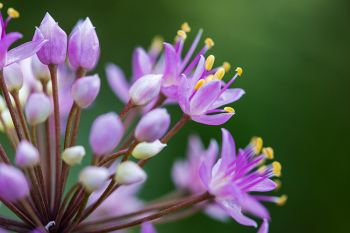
x=47, y=85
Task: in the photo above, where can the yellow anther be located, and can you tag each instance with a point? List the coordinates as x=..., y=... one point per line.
x=257, y=143
x=229, y=110
x=262, y=169
x=157, y=43
x=182, y=34
x=12, y=13
x=268, y=152
x=227, y=66
x=219, y=74
x=199, y=84
x=209, y=62
x=239, y=71
x=1, y=5
x=278, y=184
x=210, y=78
x=282, y=200
x=185, y=27
x=209, y=42
x=276, y=168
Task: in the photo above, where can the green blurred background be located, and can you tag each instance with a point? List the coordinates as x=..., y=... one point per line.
x=295, y=55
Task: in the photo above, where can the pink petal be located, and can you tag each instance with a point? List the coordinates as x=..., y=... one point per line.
x=263, y=186
x=171, y=65
x=147, y=227
x=228, y=151
x=216, y=119
x=235, y=212
x=117, y=81
x=5, y=43
x=183, y=93
x=141, y=64
x=204, y=97
x=249, y=204
x=227, y=97
x=264, y=227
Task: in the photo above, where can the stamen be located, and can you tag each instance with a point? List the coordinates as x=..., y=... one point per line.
x=282, y=200
x=220, y=73
x=209, y=78
x=239, y=71
x=278, y=184
x=229, y=110
x=276, y=168
x=182, y=34
x=13, y=13
x=157, y=43
x=209, y=42
x=268, y=152
x=209, y=62
x=199, y=84
x=1, y=5
x=257, y=143
x=185, y=27
x=227, y=66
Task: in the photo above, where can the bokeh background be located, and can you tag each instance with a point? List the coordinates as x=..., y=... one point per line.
x=295, y=55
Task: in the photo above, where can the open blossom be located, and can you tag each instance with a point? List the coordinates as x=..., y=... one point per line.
x=236, y=178
x=42, y=125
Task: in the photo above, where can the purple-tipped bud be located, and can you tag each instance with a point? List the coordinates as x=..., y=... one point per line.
x=153, y=125
x=105, y=134
x=83, y=46
x=13, y=77
x=27, y=155
x=93, y=178
x=85, y=90
x=38, y=108
x=41, y=72
x=145, y=89
x=13, y=184
x=129, y=172
x=55, y=50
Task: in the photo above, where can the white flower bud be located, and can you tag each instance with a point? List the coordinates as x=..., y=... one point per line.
x=129, y=172
x=3, y=105
x=145, y=150
x=27, y=155
x=13, y=77
x=73, y=155
x=6, y=116
x=40, y=71
x=93, y=178
x=145, y=89
x=38, y=108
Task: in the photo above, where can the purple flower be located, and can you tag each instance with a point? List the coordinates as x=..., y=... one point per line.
x=13, y=183
x=83, y=46
x=147, y=227
x=55, y=50
x=27, y=155
x=106, y=132
x=233, y=178
x=85, y=90
x=20, y=52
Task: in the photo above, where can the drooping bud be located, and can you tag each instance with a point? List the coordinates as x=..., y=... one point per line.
x=93, y=178
x=73, y=155
x=146, y=150
x=13, y=77
x=85, y=90
x=40, y=71
x=27, y=155
x=38, y=108
x=153, y=125
x=129, y=172
x=13, y=183
x=83, y=46
x=106, y=133
x=145, y=89
x=55, y=50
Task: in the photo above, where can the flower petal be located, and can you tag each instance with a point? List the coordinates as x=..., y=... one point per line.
x=204, y=174
x=24, y=51
x=216, y=119
x=250, y=205
x=141, y=64
x=235, y=212
x=263, y=186
x=5, y=43
x=227, y=97
x=204, y=97
x=228, y=151
x=117, y=82
x=147, y=227
x=171, y=65
x=264, y=228
x=183, y=93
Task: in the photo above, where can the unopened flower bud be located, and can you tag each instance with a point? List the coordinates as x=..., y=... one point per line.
x=93, y=178
x=41, y=72
x=73, y=155
x=145, y=89
x=106, y=133
x=38, y=108
x=129, y=172
x=146, y=150
x=13, y=183
x=83, y=46
x=13, y=77
x=153, y=125
x=55, y=50
x=27, y=155
x=85, y=90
